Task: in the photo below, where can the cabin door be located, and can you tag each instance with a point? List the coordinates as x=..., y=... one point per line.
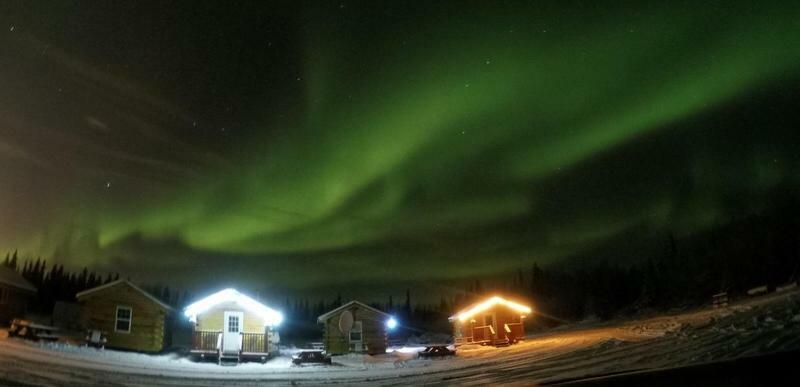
x=231, y=331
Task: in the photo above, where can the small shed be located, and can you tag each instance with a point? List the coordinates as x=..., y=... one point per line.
x=67, y=315
x=494, y=321
x=15, y=294
x=131, y=318
x=231, y=325
x=355, y=327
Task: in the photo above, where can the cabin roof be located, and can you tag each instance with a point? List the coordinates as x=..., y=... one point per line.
x=126, y=282
x=11, y=277
x=269, y=315
x=327, y=315
x=487, y=304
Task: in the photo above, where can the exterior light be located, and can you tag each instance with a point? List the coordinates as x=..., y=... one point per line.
x=391, y=323
x=270, y=316
x=467, y=314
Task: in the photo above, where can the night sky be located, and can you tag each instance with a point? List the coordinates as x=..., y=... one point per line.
x=330, y=143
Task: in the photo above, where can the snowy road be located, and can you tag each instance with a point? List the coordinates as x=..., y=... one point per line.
x=759, y=326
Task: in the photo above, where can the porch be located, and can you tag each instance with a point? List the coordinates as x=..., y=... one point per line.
x=488, y=335
x=212, y=343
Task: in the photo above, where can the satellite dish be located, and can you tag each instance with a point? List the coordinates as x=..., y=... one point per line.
x=345, y=322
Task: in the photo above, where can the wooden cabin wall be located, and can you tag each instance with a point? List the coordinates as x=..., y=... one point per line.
x=334, y=341
x=373, y=332
x=212, y=319
x=147, y=318
x=505, y=316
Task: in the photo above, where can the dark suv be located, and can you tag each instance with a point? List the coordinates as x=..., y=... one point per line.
x=310, y=357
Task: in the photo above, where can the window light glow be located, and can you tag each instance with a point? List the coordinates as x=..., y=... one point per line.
x=270, y=316
x=466, y=314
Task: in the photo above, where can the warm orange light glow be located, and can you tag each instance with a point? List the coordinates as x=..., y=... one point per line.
x=464, y=315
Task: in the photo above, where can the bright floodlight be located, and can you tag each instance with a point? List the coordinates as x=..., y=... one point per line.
x=391, y=323
x=270, y=316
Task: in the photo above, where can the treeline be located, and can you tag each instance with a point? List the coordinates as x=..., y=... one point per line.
x=54, y=283
x=673, y=271
x=669, y=271
x=177, y=298
x=681, y=271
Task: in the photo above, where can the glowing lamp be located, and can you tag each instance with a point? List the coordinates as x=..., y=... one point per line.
x=391, y=323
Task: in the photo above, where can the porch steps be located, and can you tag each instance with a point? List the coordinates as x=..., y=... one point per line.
x=231, y=359
x=501, y=343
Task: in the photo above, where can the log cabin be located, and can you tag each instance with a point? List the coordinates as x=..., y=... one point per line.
x=355, y=327
x=131, y=318
x=15, y=294
x=229, y=325
x=494, y=321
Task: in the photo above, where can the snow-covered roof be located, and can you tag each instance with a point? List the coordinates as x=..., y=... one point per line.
x=270, y=316
x=126, y=282
x=486, y=304
x=325, y=316
x=11, y=277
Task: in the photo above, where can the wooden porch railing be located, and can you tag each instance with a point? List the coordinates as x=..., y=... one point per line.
x=254, y=343
x=206, y=340
x=482, y=333
x=463, y=340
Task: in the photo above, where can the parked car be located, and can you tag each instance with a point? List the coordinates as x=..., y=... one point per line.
x=436, y=351
x=305, y=357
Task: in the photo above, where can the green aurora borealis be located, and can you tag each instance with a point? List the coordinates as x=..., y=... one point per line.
x=384, y=142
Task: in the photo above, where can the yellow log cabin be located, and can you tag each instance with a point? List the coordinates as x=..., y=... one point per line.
x=130, y=317
x=231, y=325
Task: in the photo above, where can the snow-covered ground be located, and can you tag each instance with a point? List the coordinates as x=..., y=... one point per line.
x=757, y=326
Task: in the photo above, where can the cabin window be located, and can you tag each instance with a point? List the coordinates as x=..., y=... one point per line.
x=123, y=321
x=233, y=324
x=355, y=332
x=488, y=320
x=3, y=296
